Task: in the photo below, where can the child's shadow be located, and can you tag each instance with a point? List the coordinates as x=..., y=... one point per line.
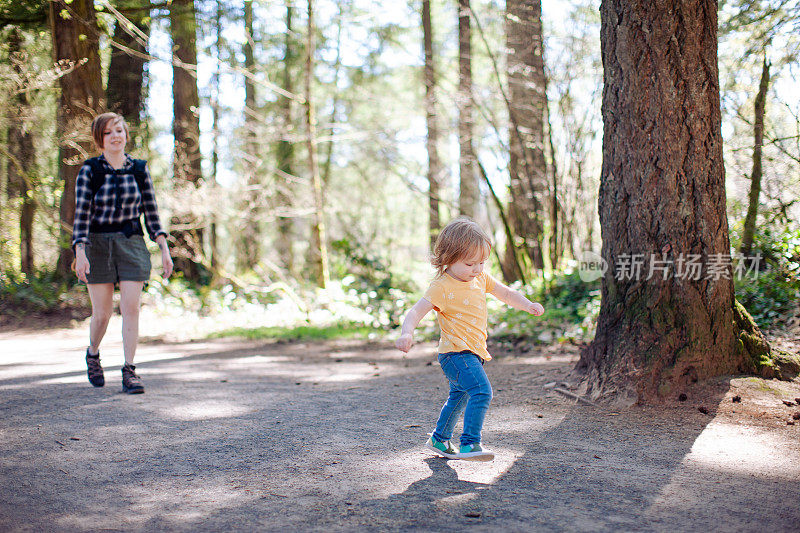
x=442, y=483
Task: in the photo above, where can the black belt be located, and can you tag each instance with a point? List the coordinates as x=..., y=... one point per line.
x=127, y=227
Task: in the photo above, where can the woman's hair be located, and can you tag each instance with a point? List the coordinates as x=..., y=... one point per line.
x=100, y=123
x=460, y=239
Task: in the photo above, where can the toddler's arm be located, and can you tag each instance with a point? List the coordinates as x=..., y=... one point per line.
x=516, y=300
x=410, y=323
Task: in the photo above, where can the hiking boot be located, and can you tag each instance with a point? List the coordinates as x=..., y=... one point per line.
x=445, y=449
x=130, y=381
x=94, y=370
x=474, y=452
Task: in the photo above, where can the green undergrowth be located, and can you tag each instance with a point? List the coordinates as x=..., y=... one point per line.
x=571, y=308
x=304, y=333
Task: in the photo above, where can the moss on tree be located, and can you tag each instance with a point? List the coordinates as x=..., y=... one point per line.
x=759, y=357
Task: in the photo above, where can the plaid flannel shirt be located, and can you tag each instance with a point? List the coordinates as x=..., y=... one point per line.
x=118, y=199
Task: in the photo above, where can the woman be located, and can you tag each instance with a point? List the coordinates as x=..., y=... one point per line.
x=111, y=191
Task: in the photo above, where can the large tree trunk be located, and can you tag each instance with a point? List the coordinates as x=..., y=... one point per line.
x=434, y=163
x=755, y=177
x=187, y=228
x=469, y=193
x=285, y=152
x=318, y=233
x=662, y=197
x=21, y=157
x=249, y=239
x=75, y=40
x=528, y=109
x=124, y=89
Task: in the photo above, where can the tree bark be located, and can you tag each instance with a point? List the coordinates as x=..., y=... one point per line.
x=75, y=40
x=528, y=107
x=187, y=232
x=249, y=240
x=21, y=157
x=755, y=177
x=469, y=193
x=662, y=195
x=215, y=112
x=431, y=118
x=285, y=151
x=318, y=233
x=124, y=89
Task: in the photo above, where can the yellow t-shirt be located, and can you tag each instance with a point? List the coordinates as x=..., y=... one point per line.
x=461, y=309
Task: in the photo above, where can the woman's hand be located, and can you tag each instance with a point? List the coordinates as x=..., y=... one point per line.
x=166, y=258
x=536, y=309
x=166, y=262
x=81, y=264
x=404, y=342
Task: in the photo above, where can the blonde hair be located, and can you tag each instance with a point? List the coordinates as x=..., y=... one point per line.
x=100, y=123
x=458, y=240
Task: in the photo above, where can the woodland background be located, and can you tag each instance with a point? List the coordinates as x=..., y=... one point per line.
x=305, y=154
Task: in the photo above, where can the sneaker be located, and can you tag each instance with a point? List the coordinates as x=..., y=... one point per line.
x=130, y=381
x=474, y=452
x=94, y=370
x=445, y=449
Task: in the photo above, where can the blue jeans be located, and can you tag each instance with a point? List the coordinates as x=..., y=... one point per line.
x=470, y=388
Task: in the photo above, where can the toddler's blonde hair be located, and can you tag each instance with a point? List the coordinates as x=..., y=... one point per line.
x=458, y=240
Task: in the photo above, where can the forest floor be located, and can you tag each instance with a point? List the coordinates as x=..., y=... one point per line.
x=328, y=436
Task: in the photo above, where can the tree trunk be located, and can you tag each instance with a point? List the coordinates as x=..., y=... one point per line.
x=21, y=157
x=187, y=231
x=75, y=40
x=215, y=111
x=126, y=70
x=249, y=240
x=319, y=238
x=662, y=200
x=755, y=178
x=434, y=163
x=469, y=193
x=528, y=107
x=555, y=246
x=285, y=152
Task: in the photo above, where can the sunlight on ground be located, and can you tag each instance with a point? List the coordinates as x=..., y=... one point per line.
x=724, y=451
x=487, y=473
x=744, y=449
x=168, y=501
x=203, y=410
x=546, y=360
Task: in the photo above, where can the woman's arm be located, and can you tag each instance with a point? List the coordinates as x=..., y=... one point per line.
x=515, y=299
x=410, y=323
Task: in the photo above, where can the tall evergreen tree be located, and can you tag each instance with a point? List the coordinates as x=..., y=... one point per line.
x=469, y=193
x=662, y=205
x=75, y=41
x=432, y=143
x=527, y=114
x=318, y=230
x=187, y=232
x=126, y=70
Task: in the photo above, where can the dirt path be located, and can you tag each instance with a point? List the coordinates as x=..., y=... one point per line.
x=328, y=436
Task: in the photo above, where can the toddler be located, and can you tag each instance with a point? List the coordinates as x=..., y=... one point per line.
x=458, y=295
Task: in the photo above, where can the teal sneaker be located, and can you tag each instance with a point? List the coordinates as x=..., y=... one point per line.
x=474, y=452
x=445, y=449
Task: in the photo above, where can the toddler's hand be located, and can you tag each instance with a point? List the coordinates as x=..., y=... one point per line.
x=404, y=342
x=536, y=309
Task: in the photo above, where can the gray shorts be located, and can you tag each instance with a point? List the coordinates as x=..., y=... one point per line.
x=113, y=257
